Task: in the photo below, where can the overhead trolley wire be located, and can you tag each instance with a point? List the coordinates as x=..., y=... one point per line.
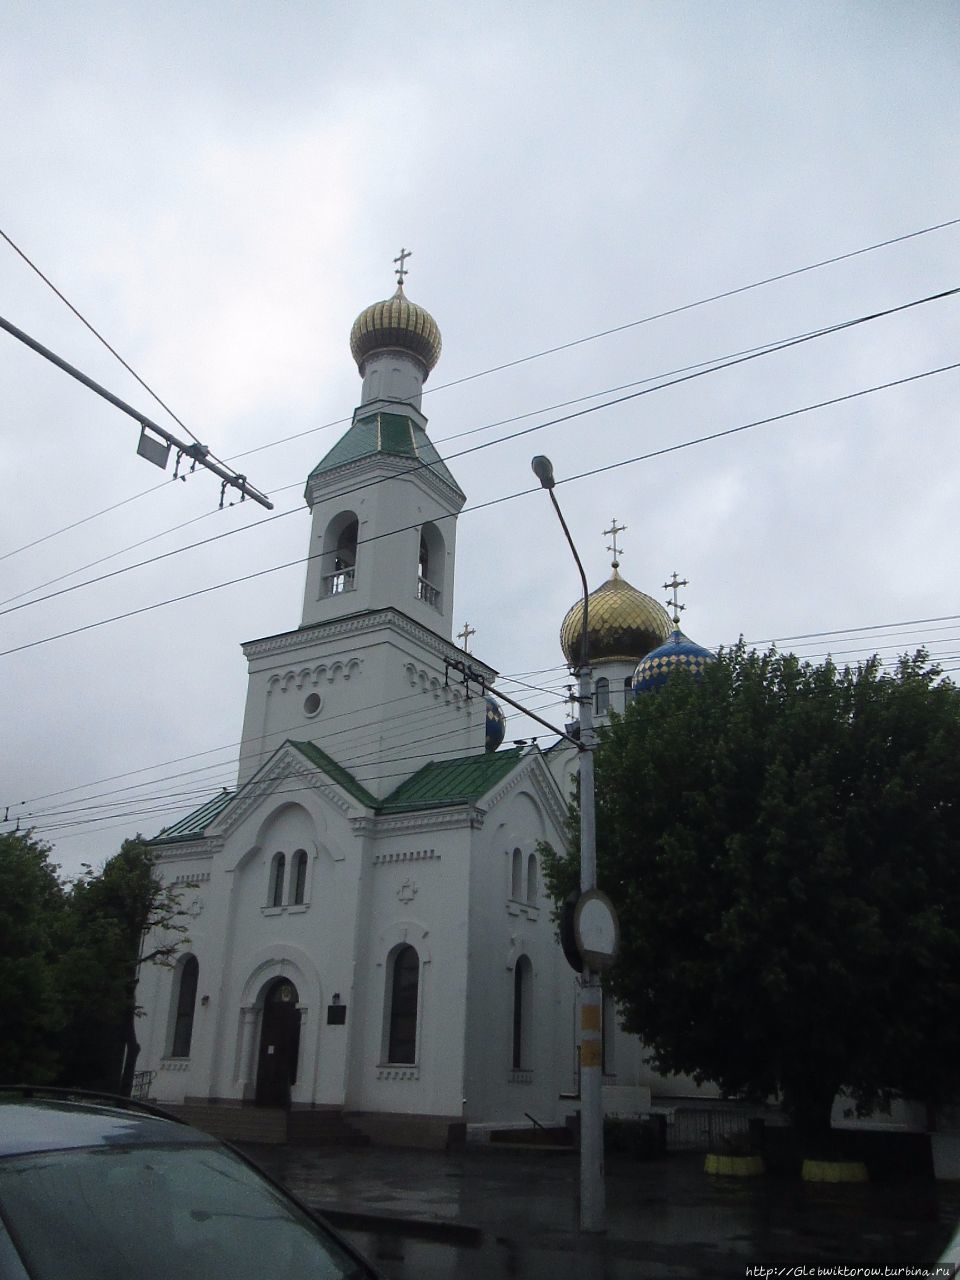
x=65, y=815
x=719, y=364
x=655, y=453
x=649, y=319
x=689, y=306
x=100, y=338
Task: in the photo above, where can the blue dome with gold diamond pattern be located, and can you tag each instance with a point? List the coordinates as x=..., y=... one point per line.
x=496, y=724
x=678, y=652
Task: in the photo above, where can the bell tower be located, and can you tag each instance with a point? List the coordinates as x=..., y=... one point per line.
x=384, y=505
x=364, y=676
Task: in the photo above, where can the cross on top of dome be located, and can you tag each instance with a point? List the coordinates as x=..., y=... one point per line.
x=674, y=585
x=402, y=270
x=613, y=531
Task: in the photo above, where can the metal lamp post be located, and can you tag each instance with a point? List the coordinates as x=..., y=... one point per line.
x=592, y=1194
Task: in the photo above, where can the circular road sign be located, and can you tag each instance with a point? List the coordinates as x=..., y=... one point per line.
x=596, y=929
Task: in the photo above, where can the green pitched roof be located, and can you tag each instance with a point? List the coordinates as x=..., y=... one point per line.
x=439, y=784
x=450, y=782
x=390, y=433
x=194, y=824
x=336, y=772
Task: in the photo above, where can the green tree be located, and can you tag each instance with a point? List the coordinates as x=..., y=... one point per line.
x=117, y=920
x=782, y=844
x=31, y=903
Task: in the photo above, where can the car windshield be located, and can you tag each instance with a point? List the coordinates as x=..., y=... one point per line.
x=156, y=1212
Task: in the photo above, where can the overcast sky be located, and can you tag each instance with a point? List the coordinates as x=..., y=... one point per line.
x=220, y=188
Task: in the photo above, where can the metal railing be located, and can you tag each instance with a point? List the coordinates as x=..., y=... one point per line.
x=704, y=1129
x=142, y=1080
x=428, y=593
x=334, y=584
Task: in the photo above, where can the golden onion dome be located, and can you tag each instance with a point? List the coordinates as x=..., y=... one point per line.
x=623, y=624
x=396, y=323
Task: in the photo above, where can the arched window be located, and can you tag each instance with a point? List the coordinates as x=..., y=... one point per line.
x=404, y=991
x=340, y=554
x=299, y=873
x=186, y=1003
x=516, y=876
x=532, y=879
x=602, y=696
x=277, y=870
x=522, y=999
x=430, y=565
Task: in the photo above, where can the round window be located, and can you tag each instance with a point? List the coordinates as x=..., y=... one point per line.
x=312, y=704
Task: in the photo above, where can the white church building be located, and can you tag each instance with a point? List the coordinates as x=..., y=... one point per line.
x=369, y=929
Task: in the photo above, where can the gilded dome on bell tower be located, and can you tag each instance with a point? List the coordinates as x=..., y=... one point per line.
x=396, y=324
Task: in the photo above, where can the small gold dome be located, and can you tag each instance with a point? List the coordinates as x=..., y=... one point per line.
x=396, y=322
x=623, y=624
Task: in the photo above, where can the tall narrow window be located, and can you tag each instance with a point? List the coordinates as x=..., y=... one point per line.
x=404, y=990
x=300, y=876
x=516, y=876
x=532, y=879
x=186, y=1003
x=602, y=698
x=276, y=880
x=522, y=976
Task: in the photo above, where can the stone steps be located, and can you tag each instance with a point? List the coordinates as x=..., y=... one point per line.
x=323, y=1127
x=234, y=1124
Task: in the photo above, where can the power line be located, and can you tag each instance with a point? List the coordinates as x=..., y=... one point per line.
x=649, y=319
x=656, y=453
x=717, y=365
x=712, y=365
x=148, y=447
x=60, y=817
x=756, y=284
x=99, y=336
x=701, y=302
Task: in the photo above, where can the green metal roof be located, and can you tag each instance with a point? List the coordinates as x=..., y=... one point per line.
x=194, y=824
x=335, y=772
x=390, y=433
x=449, y=782
x=439, y=784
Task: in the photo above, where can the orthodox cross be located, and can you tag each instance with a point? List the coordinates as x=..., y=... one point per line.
x=465, y=635
x=614, y=530
x=674, y=585
x=401, y=258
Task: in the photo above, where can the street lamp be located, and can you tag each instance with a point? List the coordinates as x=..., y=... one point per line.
x=592, y=1196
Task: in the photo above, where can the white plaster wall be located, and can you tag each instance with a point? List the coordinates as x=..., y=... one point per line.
x=311, y=944
x=615, y=673
x=391, y=498
x=191, y=870
x=394, y=379
x=503, y=928
x=387, y=706
x=417, y=884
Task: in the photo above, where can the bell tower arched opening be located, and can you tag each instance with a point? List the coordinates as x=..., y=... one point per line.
x=338, y=568
x=431, y=566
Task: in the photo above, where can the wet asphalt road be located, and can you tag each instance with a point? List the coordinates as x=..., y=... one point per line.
x=492, y=1214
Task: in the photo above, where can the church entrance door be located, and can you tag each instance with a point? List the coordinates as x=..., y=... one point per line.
x=279, y=1045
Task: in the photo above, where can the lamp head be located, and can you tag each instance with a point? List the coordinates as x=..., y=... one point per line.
x=543, y=470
